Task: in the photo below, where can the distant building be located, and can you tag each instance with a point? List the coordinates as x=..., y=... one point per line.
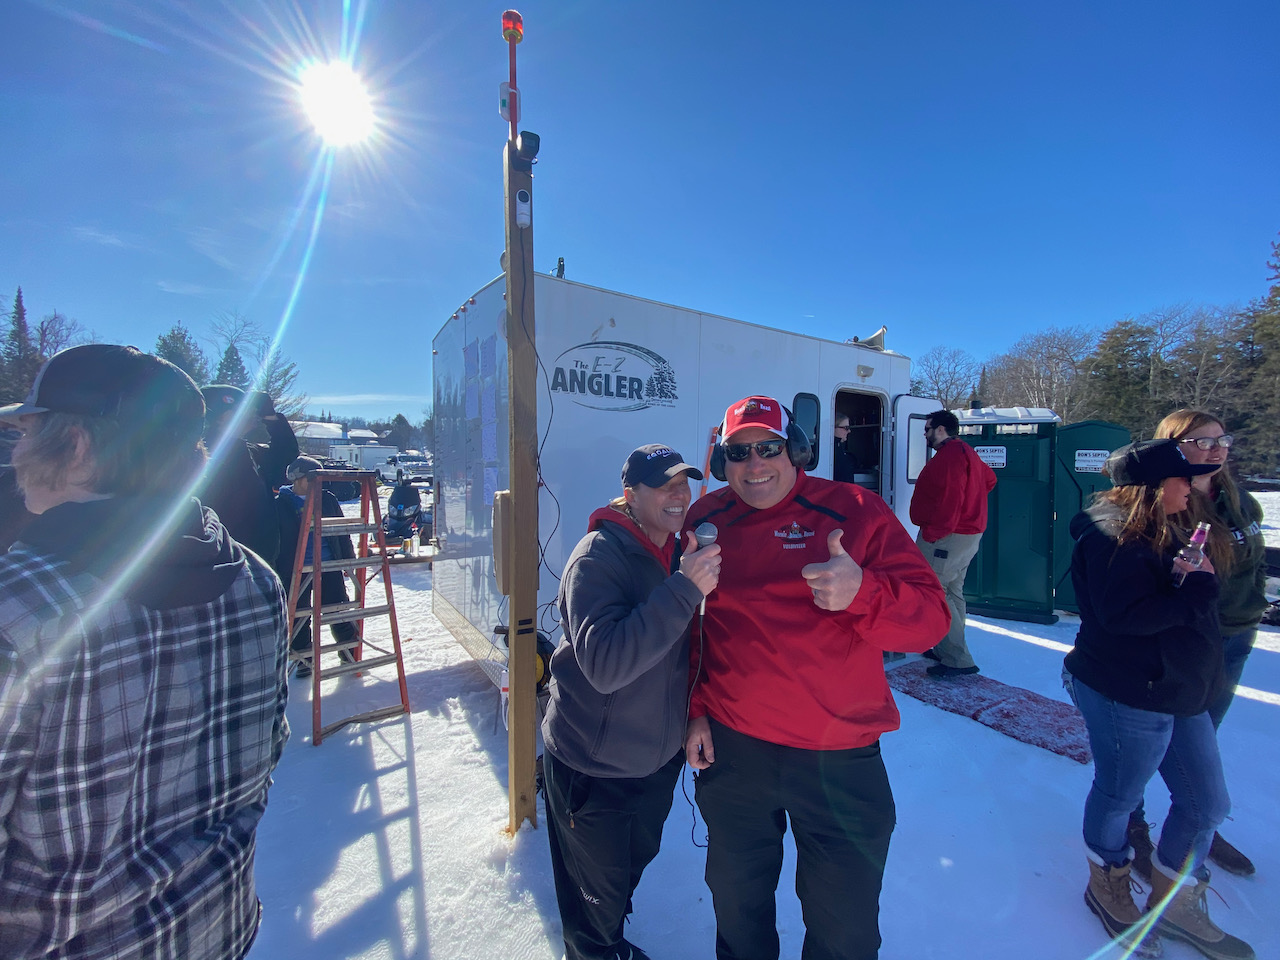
x=361, y=436
x=315, y=439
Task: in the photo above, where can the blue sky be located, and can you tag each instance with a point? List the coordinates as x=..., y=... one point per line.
x=965, y=173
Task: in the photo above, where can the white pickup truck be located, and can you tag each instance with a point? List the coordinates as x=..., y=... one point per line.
x=402, y=465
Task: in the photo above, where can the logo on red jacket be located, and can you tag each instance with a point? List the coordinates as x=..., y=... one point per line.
x=794, y=534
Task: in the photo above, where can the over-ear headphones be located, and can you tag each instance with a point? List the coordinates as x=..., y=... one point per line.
x=799, y=450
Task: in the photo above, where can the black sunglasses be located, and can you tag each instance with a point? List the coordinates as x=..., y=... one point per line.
x=765, y=450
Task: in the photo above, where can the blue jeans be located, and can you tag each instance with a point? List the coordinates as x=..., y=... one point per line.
x=1236, y=648
x=1129, y=746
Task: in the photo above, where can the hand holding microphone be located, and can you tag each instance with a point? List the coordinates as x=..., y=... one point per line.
x=702, y=566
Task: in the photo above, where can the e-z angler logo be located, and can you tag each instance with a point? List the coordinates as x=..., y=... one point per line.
x=610, y=375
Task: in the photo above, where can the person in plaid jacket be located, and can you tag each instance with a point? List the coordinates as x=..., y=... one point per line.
x=142, y=678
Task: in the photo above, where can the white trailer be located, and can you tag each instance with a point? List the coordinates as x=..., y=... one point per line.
x=617, y=371
x=363, y=456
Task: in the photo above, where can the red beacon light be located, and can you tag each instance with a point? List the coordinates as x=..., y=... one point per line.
x=512, y=26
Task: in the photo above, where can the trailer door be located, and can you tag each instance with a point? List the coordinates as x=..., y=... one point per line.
x=910, y=452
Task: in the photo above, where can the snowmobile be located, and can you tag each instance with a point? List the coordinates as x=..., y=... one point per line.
x=404, y=513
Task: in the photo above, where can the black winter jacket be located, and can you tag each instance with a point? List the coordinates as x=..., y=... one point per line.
x=1142, y=641
x=239, y=483
x=289, y=520
x=620, y=677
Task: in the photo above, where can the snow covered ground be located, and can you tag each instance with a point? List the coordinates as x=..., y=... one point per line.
x=387, y=840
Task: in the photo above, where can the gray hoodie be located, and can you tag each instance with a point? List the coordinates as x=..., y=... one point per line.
x=620, y=677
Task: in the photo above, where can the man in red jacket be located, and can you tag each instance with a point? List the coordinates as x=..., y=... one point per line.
x=950, y=508
x=789, y=697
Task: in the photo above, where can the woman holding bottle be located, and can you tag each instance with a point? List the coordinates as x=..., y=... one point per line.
x=1146, y=665
x=1239, y=555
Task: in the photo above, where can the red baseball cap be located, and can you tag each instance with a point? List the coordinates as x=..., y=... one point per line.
x=763, y=412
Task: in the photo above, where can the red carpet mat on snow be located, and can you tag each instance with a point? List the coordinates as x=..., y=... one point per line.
x=1015, y=712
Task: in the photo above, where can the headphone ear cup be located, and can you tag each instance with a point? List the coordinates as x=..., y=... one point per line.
x=717, y=462
x=799, y=450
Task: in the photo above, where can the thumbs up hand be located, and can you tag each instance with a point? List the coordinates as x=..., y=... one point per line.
x=837, y=581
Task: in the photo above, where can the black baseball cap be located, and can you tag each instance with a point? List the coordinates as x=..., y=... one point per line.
x=1148, y=462
x=220, y=398
x=653, y=465
x=301, y=467
x=113, y=382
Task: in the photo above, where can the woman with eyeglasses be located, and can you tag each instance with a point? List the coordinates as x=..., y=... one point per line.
x=1238, y=552
x=1145, y=668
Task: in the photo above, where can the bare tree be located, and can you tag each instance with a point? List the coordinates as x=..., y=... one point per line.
x=1170, y=327
x=231, y=329
x=1208, y=361
x=57, y=332
x=948, y=373
x=1045, y=369
x=270, y=371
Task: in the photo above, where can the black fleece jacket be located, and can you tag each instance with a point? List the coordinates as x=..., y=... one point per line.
x=1142, y=641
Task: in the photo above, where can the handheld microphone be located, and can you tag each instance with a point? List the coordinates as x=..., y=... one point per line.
x=705, y=534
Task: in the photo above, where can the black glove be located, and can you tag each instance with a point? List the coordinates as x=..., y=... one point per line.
x=261, y=404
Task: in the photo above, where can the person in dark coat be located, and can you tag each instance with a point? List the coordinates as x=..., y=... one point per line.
x=1239, y=553
x=142, y=677
x=242, y=475
x=289, y=505
x=1144, y=671
x=843, y=467
x=619, y=693
x=14, y=515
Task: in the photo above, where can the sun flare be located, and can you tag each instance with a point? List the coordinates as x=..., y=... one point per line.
x=336, y=102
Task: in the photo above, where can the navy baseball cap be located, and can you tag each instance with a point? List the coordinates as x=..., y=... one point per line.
x=653, y=465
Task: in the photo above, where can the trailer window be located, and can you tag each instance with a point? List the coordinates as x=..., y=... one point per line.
x=806, y=414
x=917, y=447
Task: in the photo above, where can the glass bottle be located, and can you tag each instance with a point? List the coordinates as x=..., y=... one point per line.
x=1193, y=552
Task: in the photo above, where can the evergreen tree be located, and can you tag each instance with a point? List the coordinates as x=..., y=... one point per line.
x=19, y=359
x=400, y=432
x=180, y=348
x=231, y=369
x=1119, y=370
x=1258, y=450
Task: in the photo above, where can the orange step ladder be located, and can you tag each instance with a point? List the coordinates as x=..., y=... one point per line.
x=320, y=615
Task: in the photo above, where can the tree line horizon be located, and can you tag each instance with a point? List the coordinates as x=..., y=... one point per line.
x=1225, y=360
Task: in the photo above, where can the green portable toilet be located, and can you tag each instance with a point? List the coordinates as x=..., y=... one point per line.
x=1012, y=576
x=1082, y=449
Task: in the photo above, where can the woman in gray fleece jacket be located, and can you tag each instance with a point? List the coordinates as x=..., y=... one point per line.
x=614, y=728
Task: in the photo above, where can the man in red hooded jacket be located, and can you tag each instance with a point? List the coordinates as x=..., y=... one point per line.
x=950, y=508
x=789, y=696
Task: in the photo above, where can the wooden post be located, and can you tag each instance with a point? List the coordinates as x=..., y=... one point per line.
x=523, y=550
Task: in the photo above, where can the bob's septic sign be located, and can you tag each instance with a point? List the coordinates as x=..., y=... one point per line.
x=611, y=375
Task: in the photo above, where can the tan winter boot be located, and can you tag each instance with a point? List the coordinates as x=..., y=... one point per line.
x=1110, y=896
x=1184, y=915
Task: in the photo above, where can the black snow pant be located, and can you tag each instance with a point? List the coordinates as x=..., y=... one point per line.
x=603, y=833
x=842, y=815
x=333, y=589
